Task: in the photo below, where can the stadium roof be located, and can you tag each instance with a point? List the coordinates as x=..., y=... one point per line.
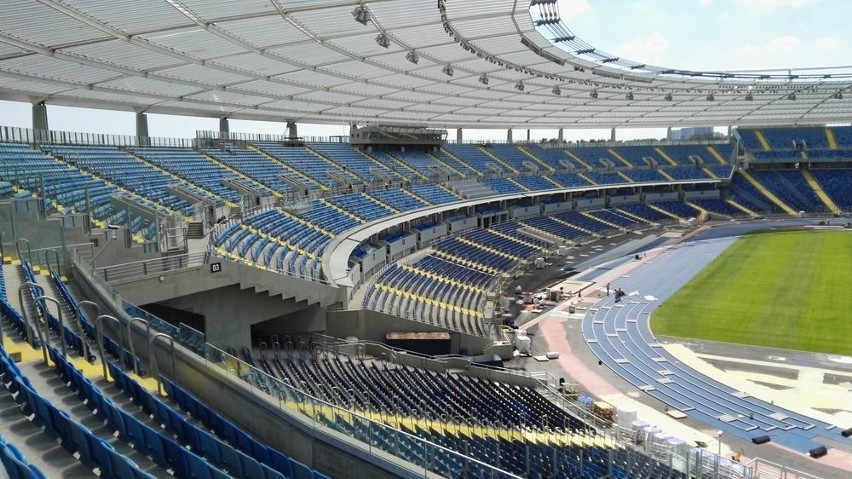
x=446, y=63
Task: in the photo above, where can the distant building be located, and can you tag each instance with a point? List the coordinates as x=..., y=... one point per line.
x=687, y=133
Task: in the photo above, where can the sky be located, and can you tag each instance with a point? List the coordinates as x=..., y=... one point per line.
x=682, y=34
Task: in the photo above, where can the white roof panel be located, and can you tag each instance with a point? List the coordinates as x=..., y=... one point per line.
x=311, y=60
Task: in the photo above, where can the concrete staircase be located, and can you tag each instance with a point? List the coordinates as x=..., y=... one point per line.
x=814, y=184
x=768, y=194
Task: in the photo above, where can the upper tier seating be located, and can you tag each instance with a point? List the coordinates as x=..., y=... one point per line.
x=367, y=168
x=790, y=187
x=463, y=168
x=315, y=167
x=476, y=158
x=555, y=158
x=837, y=184
x=398, y=199
x=434, y=194
x=262, y=169
x=125, y=170
x=194, y=167
x=361, y=206
x=517, y=159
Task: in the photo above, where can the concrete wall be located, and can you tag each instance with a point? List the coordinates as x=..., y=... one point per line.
x=402, y=246
x=373, y=326
x=559, y=207
x=590, y=203
x=461, y=224
x=623, y=199
x=524, y=211
x=669, y=196
x=426, y=237
x=688, y=195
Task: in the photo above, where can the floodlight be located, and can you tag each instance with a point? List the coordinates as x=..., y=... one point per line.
x=668, y=97
x=749, y=97
x=629, y=96
x=383, y=40
x=791, y=96
x=594, y=94
x=483, y=79
x=361, y=14
x=556, y=91
x=412, y=57
x=519, y=86
x=838, y=95
x=711, y=97
x=448, y=70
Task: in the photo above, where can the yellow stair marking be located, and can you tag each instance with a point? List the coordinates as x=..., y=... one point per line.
x=381, y=203
x=513, y=238
x=741, y=208
x=340, y=210
x=626, y=178
x=762, y=140
x=702, y=213
x=665, y=155
x=709, y=173
x=768, y=194
x=666, y=175
x=553, y=182
x=804, y=155
x=560, y=220
x=445, y=164
x=512, y=180
x=28, y=353
x=489, y=249
x=457, y=158
x=586, y=178
x=576, y=158
x=595, y=218
x=535, y=159
x=389, y=171
x=660, y=210
x=832, y=142
x=631, y=215
x=286, y=166
x=827, y=201
x=620, y=158
x=715, y=153
x=498, y=160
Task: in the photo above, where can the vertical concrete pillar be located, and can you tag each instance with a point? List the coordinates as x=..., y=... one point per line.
x=292, y=129
x=730, y=130
x=142, y=127
x=40, y=127
x=509, y=136
x=224, y=127
x=612, y=135
x=528, y=135
x=459, y=136
x=669, y=133
x=561, y=136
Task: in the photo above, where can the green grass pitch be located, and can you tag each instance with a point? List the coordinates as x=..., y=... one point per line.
x=788, y=290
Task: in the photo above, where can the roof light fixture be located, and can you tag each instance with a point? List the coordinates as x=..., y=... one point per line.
x=361, y=14
x=556, y=91
x=519, y=86
x=412, y=57
x=483, y=79
x=749, y=96
x=668, y=97
x=447, y=70
x=791, y=96
x=594, y=94
x=629, y=96
x=711, y=97
x=383, y=40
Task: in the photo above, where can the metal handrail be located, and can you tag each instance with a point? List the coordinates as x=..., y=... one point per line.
x=100, y=334
x=130, y=342
x=18, y=248
x=152, y=357
x=24, y=312
x=40, y=302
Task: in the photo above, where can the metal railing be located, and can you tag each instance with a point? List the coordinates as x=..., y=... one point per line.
x=150, y=267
